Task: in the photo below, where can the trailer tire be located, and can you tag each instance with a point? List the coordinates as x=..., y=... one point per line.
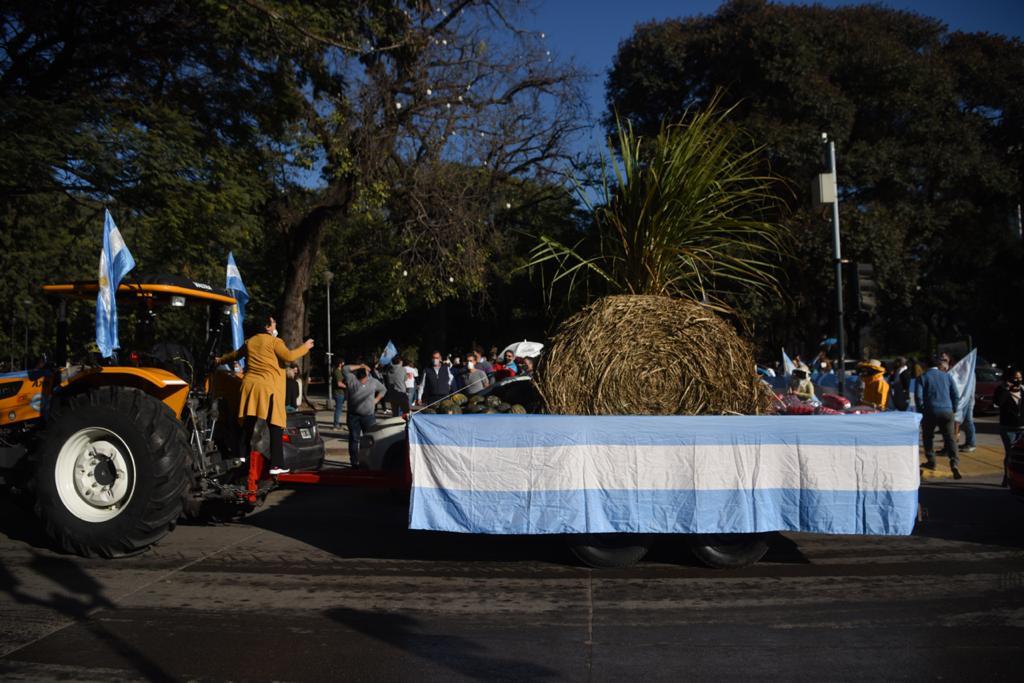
x=729, y=551
x=608, y=551
x=110, y=472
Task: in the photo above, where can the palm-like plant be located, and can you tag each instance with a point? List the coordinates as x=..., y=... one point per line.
x=685, y=214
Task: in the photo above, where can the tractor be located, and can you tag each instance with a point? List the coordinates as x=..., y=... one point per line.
x=112, y=452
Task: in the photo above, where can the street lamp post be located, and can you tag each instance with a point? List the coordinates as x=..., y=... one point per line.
x=826, y=191
x=328, y=276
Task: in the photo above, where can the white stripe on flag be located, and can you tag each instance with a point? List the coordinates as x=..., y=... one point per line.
x=637, y=467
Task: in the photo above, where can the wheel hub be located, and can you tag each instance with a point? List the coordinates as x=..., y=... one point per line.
x=98, y=478
x=105, y=473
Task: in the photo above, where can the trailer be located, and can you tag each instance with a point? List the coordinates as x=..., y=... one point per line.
x=614, y=485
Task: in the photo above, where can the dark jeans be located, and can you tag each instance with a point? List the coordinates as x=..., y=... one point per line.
x=1008, y=435
x=399, y=401
x=356, y=425
x=276, y=437
x=339, y=406
x=944, y=421
x=967, y=427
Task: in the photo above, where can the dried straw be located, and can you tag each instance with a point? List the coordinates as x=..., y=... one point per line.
x=650, y=355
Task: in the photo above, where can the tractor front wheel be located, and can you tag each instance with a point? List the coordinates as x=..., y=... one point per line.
x=110, y=472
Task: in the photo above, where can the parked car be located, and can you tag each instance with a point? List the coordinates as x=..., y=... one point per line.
x=986, y=380
x=303, y=446
x=382, y=446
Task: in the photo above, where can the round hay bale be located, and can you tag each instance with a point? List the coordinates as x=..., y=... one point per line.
x=650, y=355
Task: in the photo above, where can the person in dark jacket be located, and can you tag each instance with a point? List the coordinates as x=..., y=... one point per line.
x=937, y=398
x=437, y=381
x=1011, y=414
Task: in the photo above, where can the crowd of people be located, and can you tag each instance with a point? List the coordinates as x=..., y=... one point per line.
x=358, y=388
x=917, y=385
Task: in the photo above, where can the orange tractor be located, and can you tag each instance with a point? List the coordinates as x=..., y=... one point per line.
x=114, y=452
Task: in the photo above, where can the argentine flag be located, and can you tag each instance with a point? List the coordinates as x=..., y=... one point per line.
x=675, y=474
x=115, y=262
x=237, y=289
x=389, y=354
x=964, y=380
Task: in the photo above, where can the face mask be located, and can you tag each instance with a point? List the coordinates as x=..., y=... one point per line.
x=470, y=365
x=437, y=362
x=273, y=333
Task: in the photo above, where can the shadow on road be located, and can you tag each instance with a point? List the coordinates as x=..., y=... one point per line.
x=971, y=512
x=360, y=523
x=460, y=655
x=19, y=524
x=80, y=598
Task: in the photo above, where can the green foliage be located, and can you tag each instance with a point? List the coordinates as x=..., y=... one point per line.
x=930, y=151
x=270, y=128
x=686, y=213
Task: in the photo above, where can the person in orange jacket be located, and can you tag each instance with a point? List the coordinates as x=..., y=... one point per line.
x=876, y=389
x=263, y=386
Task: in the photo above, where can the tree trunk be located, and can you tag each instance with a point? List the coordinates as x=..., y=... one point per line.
x=303, y=240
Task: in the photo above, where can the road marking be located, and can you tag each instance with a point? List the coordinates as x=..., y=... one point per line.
x=589, y=642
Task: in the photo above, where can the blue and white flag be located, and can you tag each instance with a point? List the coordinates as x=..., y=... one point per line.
x=964, y=380
x=115, y=262
x=237, y=289
x=389, y=353
x=787, y=364
x=556, y=474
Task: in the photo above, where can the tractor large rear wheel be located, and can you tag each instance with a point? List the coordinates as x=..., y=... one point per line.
x=110, y=472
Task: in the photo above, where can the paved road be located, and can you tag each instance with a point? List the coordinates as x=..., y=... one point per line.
x=327, y=584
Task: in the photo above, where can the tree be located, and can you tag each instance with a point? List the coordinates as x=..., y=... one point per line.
x=263, y=124
x=927, y=125
x=423, y=113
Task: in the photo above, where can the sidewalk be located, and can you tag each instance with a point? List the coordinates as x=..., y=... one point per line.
x=335, y=440
x=986, y=461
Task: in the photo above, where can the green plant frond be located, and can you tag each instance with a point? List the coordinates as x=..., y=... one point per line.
x=684, y=212
x=569, y=264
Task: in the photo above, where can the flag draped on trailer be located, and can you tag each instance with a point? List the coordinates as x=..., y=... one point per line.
x=557, y=474
x=115, y=262
x=237, y=289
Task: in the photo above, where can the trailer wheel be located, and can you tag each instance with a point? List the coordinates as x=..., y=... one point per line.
x=607, y=551
x=110, y=472
x=729, y=551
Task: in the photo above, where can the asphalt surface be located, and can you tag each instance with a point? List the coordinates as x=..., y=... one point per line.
x=328, y=584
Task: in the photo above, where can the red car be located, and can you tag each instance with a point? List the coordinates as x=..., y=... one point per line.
x=986, y=379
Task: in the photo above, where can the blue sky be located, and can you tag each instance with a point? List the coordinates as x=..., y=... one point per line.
x=590, y=30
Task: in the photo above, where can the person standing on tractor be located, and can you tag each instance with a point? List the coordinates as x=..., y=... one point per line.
x=263, y=386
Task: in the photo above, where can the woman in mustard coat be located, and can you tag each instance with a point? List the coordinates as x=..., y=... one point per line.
x=263, y=386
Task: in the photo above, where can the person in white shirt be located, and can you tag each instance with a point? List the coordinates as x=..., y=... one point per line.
x=411, y=375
